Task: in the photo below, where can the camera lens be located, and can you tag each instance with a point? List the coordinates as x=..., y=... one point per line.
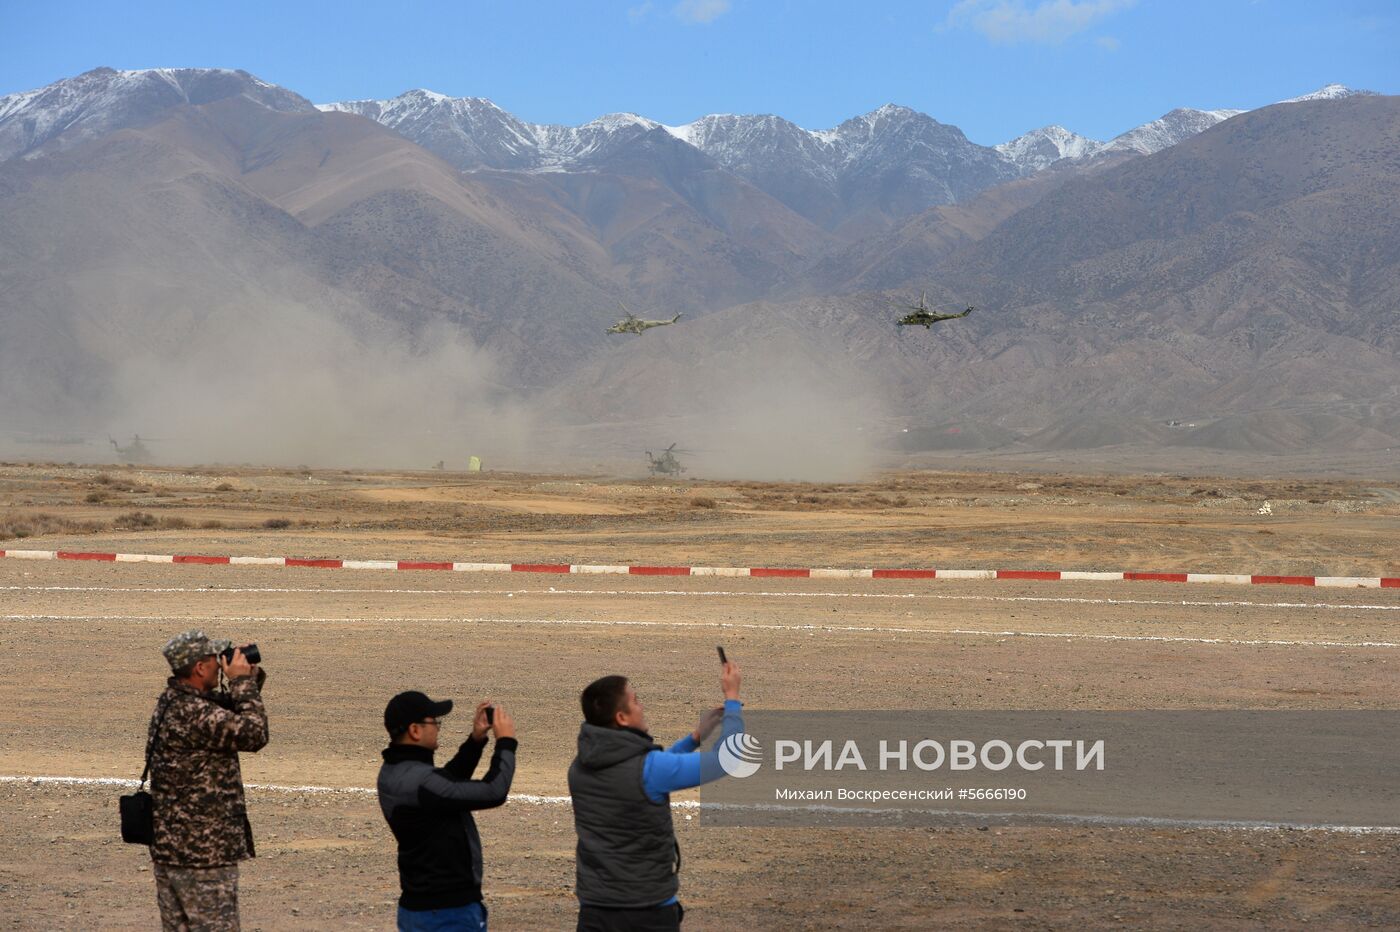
x=250, y=653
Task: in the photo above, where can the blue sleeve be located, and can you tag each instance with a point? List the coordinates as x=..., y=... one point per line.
x=664, y=772
x=683, y=746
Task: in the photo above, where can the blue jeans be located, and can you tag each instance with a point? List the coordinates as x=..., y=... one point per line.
x=470, y=918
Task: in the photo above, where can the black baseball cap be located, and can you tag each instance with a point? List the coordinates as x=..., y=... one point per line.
x=410, y=707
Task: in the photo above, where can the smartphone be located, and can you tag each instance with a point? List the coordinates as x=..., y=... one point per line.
x=490, y=715
x=722, y=658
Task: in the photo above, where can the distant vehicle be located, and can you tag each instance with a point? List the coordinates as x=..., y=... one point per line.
x=665, y=463
x=634, y=324
x=923, y=317
x=134, y=452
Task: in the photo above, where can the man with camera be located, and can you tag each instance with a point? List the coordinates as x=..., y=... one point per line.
x=429, y=809
x=628, y=862
x=200, y=821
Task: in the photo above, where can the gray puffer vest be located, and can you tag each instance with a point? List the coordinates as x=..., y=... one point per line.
x=627, y=853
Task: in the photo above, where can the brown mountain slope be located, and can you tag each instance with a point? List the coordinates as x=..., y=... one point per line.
x=232, y=204
x=1277, y=219
x=125, y=250
x=1251, y=269
x=907, y=255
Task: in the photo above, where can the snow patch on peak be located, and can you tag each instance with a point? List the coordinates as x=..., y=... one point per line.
x=1168, y=130
x=685, y=132
x=612, y=122
x=99, y=101
x=1329, y=92
x=1043, y=147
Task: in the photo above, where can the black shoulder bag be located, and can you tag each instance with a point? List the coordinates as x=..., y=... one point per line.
x=138, y=809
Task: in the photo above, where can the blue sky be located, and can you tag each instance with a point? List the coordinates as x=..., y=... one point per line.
x=995, y=68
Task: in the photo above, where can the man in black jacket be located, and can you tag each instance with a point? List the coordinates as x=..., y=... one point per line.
x=429, y=810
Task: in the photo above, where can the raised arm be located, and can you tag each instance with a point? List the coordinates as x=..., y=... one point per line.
x=665, y=772
x=444, y=791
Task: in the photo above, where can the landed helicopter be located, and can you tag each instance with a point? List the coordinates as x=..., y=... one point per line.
x=134, y=452
x=665, y=462
x=923, y=317
x=634, y=324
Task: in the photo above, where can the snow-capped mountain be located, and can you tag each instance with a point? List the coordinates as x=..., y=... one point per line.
x=1044, y=147
x=866, y=174
x=473, y=133
x=1041, y=148
x=887, y=161
x=1167, y=130
x=1329, y=92
x=883, y=165
x=469, y=132
x=894, y=160
x=69, y=111
x=754, y=145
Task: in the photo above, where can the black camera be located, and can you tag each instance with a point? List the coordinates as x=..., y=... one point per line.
x=250, y=653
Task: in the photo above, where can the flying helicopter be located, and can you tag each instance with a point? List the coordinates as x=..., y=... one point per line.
x=665, y=463
x=634, y=324
x=923, y=317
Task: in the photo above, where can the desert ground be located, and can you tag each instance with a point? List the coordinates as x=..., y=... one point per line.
x=81, y=669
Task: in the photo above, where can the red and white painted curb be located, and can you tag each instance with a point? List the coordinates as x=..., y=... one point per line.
x=1335, y=582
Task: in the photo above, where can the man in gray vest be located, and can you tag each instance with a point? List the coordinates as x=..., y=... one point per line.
x=628, y=861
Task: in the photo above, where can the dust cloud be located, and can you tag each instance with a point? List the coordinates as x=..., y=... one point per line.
x=305, y=390
x=790, y=420
x=288, y=384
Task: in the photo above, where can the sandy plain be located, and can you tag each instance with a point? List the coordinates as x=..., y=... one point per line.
x=81, y=669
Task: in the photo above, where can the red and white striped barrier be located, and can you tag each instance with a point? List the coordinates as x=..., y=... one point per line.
x=1335, y=582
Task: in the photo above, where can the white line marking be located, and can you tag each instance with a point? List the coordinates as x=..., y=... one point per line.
x=607, y=623
x=539, y=800
x=712, y=593
x=285, y=788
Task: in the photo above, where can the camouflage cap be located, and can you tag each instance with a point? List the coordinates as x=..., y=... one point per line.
x=184, y=649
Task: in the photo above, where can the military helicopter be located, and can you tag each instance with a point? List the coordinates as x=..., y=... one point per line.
x=665, y=463
x=923, y=317
x=634, y=324
x=134, y=452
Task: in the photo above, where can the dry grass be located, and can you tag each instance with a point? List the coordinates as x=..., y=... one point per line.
x=145, y=521
x=39, y=523
x=117, y=485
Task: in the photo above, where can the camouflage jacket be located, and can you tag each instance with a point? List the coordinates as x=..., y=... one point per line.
x=200, y=816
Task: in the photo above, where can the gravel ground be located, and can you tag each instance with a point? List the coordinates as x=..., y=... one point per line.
x=80, y=641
